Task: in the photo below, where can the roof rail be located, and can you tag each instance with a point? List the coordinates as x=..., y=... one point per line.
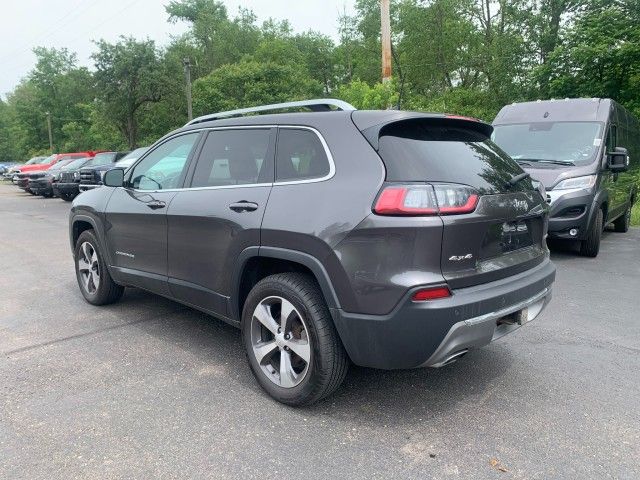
x=317, y=105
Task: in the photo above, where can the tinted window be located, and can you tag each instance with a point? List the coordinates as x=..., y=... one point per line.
x=300, y=155
x=163, y=168
x=441, y=151
x=233, y=157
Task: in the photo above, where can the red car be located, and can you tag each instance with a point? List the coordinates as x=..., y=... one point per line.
x=52, y=160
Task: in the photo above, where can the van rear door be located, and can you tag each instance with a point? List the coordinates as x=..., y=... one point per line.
x=494, y=221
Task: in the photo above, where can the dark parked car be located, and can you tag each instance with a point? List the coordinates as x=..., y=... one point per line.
x=91, y=175
x=41, y=183
x=389, y=239
x=586, y=152
x=67, y=186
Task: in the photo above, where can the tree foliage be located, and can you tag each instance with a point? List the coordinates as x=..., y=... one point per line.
x=459, y=56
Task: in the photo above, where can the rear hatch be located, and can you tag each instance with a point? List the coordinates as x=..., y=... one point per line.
x=494, y=219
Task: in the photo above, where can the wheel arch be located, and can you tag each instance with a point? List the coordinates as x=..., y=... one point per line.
x=256, y=263
x=600, y=202
x=79, y=224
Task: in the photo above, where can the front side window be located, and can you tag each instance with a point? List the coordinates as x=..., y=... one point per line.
x=163, y=168
x=300, y=156
x=234, y=157
x=570, y=142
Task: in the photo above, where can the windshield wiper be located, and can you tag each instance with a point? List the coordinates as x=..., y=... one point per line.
x=544, y=160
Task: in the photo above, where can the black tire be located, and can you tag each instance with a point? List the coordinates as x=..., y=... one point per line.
x=590, y=246
x=621, y=224
x=328, y=363
x=107, y=290
x=67, y=197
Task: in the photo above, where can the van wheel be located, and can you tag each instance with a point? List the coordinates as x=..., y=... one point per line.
x=292, y=346
x=621, y=224
x=94, y=280
x=591, y=245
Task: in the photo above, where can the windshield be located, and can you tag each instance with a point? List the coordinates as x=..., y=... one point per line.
x=61, y=163
x=135, y=154
x=437, y=150
x=34, y=160
x=103, y=158
x=47, y=159
x=75, y=164
x=131, y=157
x=565, y=142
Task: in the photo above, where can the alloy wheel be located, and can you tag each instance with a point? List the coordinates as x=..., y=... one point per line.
x=88, y=267
x=280, y=341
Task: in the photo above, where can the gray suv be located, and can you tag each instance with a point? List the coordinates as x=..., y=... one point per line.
x=384, y=238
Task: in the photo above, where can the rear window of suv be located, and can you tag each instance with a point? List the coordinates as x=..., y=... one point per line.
x=443, y=150
x=300, y=156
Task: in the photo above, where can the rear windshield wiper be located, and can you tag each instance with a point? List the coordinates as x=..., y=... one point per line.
x=517, y=178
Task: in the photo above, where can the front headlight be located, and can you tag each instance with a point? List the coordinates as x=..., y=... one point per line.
x=587, y=181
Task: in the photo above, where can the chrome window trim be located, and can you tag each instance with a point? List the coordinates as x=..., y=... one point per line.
x=332, y=166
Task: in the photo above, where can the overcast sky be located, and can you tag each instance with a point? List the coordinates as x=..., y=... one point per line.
x=25, y=24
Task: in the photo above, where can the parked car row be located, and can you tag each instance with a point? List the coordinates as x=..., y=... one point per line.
x=66, y=175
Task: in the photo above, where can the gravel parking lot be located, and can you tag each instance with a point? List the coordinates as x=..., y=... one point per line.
x=148, y=388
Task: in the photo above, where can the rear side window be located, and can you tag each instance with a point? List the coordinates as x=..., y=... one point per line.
x=300, y=156
x=234, y=157
x=437, y=150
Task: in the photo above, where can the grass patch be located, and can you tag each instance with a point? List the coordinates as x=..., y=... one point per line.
x=635, y=215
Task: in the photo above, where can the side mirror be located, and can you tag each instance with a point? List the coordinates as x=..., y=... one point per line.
x=114, y=177
x=618, y=160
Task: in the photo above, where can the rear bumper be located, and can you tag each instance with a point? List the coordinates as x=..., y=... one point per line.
x=434, y=333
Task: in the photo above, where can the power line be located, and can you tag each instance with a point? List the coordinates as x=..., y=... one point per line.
x=52, y=30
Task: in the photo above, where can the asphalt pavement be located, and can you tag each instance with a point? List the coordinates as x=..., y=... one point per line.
x=148, y=388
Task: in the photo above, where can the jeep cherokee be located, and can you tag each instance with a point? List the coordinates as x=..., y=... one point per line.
x=384, y=238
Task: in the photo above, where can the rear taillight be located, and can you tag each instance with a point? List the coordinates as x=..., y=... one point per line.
x=435, y=199
x=431, y=293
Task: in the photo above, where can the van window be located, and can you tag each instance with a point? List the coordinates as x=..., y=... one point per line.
x=300, y=156
x=234, y=157
x=570, y=142
x=437, y=150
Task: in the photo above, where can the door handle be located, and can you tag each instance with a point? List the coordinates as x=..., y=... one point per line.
x=243, y=206
x=156, y=204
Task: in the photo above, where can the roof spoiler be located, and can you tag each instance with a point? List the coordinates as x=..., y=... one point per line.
x=372, y=134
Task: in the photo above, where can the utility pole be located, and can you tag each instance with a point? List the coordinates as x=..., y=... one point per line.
x=49, y=128
x=187, y=77
x=385, y=19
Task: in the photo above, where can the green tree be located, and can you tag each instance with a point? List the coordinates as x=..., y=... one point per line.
x=128, y=77
x=601, y=55
x=251, y=83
